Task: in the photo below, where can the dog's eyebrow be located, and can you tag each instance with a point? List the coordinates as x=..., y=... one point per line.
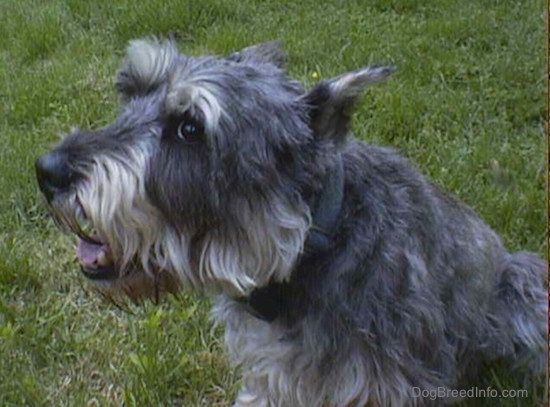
x=198, y=95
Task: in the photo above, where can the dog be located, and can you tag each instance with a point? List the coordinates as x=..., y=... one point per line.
x=343, y=276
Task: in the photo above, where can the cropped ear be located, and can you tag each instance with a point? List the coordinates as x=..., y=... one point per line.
x=332, y=102
x=146, y=65
x=266, y=52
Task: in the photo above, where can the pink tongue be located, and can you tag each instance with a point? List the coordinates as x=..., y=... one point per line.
x=88, y=252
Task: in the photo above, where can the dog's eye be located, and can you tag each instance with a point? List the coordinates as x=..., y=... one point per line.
x=190, y=131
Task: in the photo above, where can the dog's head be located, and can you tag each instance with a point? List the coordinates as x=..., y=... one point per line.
x=204, y=179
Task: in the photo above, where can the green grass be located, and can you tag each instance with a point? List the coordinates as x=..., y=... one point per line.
x=466, y=105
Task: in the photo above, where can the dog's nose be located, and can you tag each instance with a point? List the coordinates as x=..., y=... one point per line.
x=53, y=173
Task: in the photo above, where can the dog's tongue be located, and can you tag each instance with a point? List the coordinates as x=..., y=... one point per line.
x=89, y=253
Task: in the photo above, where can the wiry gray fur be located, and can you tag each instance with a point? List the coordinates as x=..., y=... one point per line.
x=206, y=180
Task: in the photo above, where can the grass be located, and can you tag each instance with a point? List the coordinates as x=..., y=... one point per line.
x=467, y=106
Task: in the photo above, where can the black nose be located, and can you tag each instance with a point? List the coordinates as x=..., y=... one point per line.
x=53, y=174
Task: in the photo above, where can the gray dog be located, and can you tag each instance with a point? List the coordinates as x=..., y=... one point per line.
x=344, y=277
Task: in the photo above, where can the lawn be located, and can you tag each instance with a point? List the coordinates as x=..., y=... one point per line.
x=467, y=105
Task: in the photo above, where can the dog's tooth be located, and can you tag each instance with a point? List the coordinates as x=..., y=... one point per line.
x=102, y=259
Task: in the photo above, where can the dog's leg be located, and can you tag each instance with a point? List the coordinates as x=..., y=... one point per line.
x=521, y=309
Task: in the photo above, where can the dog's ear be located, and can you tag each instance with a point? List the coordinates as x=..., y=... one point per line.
x=266, y=52
x=332, y=102
x=145, y=67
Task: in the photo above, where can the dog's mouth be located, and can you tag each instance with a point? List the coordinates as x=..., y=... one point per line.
x=103, y=260
x=92, y=251
x=95, y=260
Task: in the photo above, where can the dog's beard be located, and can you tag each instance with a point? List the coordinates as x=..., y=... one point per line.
x=124, y=241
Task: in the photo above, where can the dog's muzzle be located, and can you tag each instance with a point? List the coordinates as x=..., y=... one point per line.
x=55, y=177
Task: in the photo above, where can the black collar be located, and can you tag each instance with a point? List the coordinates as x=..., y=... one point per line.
x=267, y=302
x=326, y=209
